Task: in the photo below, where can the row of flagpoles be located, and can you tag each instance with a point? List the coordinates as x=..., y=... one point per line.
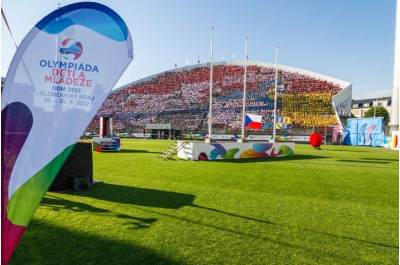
x=246, y=118
x=199, y=61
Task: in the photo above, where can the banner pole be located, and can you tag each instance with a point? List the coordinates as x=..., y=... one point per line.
x=8, y=27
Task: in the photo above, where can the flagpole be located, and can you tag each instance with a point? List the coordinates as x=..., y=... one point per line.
x=275, y=97
x=209, y=139
x=244, y=92
x=8, y=27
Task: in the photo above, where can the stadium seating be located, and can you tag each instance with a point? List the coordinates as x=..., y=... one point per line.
x=181, y=98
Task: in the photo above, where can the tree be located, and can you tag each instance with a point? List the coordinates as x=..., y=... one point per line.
x=380, y=111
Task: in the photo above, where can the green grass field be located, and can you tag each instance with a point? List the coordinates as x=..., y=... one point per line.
x=338, y=205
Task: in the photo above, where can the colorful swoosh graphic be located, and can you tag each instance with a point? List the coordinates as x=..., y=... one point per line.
x=258, y=150
x=361, y=131
x=75, y=48
x=17, y=121
x=370, y=130
x=94, y=16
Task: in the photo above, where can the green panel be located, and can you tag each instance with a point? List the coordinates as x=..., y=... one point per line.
x=27, y=198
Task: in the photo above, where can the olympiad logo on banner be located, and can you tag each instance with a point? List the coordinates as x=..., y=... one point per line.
x=67, y=72
x=52, y=91
x=70, y=46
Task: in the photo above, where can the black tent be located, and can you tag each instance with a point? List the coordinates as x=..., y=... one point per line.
x=79, y=164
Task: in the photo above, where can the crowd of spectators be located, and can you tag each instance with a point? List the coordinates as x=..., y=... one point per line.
x=112, y=104
x=309, y=110
x=94, y=125
x=181, y=99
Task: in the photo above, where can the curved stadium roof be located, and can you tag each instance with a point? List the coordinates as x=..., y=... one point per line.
x=342, y=84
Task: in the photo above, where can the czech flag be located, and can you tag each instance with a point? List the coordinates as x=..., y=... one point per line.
x=253, y=121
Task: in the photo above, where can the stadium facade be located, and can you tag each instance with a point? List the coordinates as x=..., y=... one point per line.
x=180, y=97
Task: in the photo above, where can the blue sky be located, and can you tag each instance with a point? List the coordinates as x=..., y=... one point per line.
x=349, y=40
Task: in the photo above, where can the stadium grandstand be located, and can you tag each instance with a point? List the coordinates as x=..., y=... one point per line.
x=180, y=97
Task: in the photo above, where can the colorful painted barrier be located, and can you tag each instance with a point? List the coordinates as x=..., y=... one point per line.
x=364, y=131
x=233, y=150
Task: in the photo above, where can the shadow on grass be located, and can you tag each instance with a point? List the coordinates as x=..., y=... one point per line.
x=275, y=241
x=258, y=160
x=133, y=151
x=173, y=200
x=234, y=215
x=149, y=198
x=362, y=161
x=130, y=151
x=341, y=150
x=353, y=239
x=381, y=159
x=305, y=230
x=139, y=255
x=271, y=159
x=339, y=164
x=43, y=243
x=224, y=228
x=284, y=242
x=60, y=204
x=138, y=196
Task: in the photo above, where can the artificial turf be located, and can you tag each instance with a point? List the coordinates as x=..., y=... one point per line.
x=338, y=205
